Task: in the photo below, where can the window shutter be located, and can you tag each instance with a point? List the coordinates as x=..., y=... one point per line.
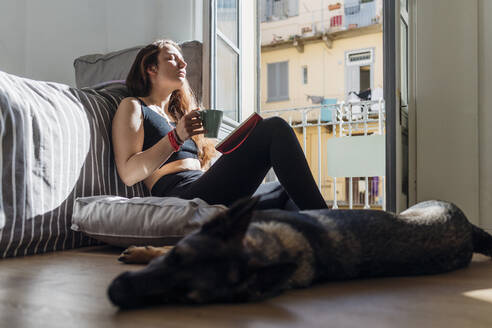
x=352, y=79
x=264, y=10
x=278, y=8
x=272, y=90
x=269, y=8
x=278, y=81
x=283, y=81
x=293, y=8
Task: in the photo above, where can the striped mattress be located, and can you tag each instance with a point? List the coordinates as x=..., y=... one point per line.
x=55, y=146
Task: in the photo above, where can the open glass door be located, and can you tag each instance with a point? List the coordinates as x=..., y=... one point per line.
x=229, y=59
x=223, y=56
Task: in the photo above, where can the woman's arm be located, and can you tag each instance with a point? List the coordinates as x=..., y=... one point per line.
x=132, y=163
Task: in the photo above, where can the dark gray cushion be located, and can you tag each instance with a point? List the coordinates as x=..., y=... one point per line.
x=91, y=70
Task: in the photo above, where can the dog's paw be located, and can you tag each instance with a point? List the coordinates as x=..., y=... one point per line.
x=142, y=255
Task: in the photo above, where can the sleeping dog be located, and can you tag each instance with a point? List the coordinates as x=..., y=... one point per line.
x=245, y=255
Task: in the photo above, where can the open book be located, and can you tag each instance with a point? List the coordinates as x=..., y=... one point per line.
x=238, y=135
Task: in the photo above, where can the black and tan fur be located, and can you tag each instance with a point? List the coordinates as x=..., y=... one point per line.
x=245, y=255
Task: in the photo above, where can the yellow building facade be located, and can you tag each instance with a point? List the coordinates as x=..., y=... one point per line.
x=322, y=68
x=326, y=68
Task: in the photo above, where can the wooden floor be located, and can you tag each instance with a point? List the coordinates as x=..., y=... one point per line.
x=68, y=289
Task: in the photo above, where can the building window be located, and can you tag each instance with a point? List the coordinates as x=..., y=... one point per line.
x=358, y=71
x=278, y=81
x=272, y=10
x=304, y=75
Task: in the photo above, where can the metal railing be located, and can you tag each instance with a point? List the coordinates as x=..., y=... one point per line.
x=345, y=118
x=354, y=14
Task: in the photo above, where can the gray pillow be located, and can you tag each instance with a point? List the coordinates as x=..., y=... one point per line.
x=155, y=221
x=91, y=70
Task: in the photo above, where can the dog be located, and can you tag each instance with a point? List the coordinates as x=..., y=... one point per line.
x=243, y=255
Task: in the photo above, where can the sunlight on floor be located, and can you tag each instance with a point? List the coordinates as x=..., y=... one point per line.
x=480, y=294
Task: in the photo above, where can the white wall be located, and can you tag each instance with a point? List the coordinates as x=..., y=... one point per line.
x=447, y=106
x=485, y=111
x=41, y=39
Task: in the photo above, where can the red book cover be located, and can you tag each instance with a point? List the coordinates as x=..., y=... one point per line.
x=238, y=135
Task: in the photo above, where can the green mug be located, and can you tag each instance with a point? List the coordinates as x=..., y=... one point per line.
x=211, y=118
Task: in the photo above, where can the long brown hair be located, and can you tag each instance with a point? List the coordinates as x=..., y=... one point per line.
x=182, y=100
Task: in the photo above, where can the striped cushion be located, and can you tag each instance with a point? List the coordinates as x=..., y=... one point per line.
x=54, y=147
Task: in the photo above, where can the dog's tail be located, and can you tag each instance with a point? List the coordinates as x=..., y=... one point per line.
x=482, y=241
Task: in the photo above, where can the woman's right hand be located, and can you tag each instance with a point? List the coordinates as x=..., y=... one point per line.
x=189, y=125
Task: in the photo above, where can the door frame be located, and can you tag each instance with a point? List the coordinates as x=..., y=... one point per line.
x=390, y=57
x=391, y=87
x=346, y=55
x=412, y=118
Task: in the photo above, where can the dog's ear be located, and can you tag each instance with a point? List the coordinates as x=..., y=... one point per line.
x=233, y=223
x=243, y=207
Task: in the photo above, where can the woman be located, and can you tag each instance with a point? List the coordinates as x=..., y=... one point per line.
x=158, y=138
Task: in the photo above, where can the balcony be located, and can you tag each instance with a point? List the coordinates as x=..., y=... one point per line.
x=339, y=20
x=360, y=14
x=344, y=144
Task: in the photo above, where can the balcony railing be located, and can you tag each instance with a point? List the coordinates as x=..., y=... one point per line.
x=354, y=14
x=354, y=148
x=361, y=14
x=348, y=15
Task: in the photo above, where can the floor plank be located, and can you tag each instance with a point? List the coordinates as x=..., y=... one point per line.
x=68, y=289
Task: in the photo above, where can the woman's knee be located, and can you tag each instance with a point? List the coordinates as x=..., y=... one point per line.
x=271, y=127
x=276, y=122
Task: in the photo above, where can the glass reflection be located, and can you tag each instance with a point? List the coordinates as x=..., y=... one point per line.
x=227, y=80
x=227, y=21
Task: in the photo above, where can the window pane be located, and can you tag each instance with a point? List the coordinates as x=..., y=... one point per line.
x=278, y=81
x=227, y=21
x=227, y=80
x=404, y=4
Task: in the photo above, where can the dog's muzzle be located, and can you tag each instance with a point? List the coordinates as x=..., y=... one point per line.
x=121, y=292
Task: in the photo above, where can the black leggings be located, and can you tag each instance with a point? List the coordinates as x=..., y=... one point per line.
x=272, y=143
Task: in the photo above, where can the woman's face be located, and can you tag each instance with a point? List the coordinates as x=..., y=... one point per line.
x=171, y=71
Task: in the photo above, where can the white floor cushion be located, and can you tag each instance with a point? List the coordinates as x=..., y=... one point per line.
x=155, y=221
